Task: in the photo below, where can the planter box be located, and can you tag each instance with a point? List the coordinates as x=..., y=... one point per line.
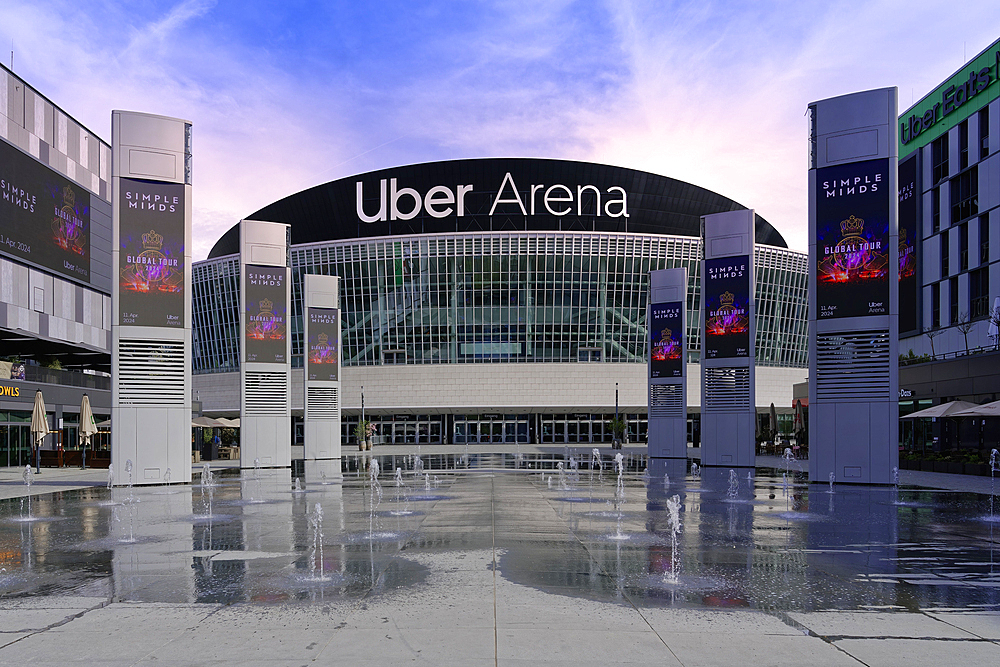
x=981, y=469
x=927, y=466
x=941, y=466
x=955, y=468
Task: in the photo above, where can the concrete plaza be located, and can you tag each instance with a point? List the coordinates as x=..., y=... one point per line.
x=497, y=559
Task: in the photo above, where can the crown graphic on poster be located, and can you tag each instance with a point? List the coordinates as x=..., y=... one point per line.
x=322, y=338
x=151, y=240
x=727, y=299
x=852, y=226
x=666, y=334
x=902, y=235
x=266, y=305
x=69, y=196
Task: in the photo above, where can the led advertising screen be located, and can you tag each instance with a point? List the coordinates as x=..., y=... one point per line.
x=908, y=245
x=44, y=217
x=666, y=340
x=324, y=344
x=151, y=253
x=266, y=314
x=852, y=240
x=726, y=289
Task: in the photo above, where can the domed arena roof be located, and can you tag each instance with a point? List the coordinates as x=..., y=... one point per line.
x=495, y=194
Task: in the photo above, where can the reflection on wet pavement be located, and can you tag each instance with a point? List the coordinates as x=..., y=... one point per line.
x=770, y=542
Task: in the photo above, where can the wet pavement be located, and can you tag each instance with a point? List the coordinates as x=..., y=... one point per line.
x=501, y=558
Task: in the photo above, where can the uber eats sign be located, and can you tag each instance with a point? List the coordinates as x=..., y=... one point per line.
x=952, y=102
x=398, y=202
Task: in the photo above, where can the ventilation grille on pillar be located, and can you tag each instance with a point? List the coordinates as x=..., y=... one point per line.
x=150, y=372
x=852, y=365
x=266, y=393
x=727, y=389
x=323, y=403
x=665, y=400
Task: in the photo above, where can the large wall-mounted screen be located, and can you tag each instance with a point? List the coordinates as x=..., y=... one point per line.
x=324, y=344
x=908, y=245
x=151, y=254
x=44, y=217
x=852, y=240
x=666, y=340
x=266, y=314
x=726, y=289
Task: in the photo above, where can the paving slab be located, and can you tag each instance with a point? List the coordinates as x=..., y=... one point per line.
x=878, y=625
x=919, y=652
x=980, y=624
x=612, y=647
x=721, y=649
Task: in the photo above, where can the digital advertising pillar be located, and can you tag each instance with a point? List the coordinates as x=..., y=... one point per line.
x=266, y=367
x=728, y=409
x=666, y=321
x=854, y=264
x=151, y=305
x=321, y=337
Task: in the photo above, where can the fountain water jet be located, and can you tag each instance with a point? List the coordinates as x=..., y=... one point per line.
x=674, y=521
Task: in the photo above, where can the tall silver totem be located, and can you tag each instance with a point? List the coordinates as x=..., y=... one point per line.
x=266, y=366
x=666, y=321
x=854, y=292
x=322, y=357
x=151, y=303
x=728, y=410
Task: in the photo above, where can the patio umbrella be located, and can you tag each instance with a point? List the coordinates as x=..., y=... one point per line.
x=39, y=427
x=799, y=418
x=87, y=426
x=229, y=423
x=988, y=410
x=949, y=409
x=207, y=422
x=773, y=421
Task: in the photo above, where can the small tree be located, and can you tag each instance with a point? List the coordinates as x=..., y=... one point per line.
x=965, y=325
x=931, y=335
x=617, y=426
x=995, y=321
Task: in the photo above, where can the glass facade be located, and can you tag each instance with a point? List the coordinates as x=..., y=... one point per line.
x=500, y=297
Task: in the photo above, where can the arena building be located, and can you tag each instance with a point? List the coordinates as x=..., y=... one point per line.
x=497, y=300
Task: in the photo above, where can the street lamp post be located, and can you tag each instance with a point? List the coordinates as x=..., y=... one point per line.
x=616, y=444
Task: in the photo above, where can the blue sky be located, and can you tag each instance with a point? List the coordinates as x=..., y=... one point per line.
x=287, y=95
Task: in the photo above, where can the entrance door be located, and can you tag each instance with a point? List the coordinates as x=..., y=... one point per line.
x=496, y=432
x=4, y=451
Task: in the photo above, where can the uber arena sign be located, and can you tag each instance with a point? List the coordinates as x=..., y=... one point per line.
x=441, y=201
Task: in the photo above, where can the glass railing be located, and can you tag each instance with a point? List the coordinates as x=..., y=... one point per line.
x=67, y=378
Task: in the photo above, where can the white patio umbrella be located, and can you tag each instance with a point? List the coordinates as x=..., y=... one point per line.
x=949, y=409
x=207, y=422
x=39, y=427
x=229, y=423
x=988, y=410
x=87, y=426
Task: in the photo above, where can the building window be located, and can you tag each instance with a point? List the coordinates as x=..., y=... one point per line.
x=963, y=248
x=984, y=132
x=590, y=354
x=984, y=239
x=936, y=210
x=979, y=293
x=394, y=357
x=963, y=144
x=945, y=254
x=939, y=158
x=965, y=195
x=936, y=305
x=953, y=300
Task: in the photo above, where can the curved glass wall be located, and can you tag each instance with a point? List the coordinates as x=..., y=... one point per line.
x=493, y=297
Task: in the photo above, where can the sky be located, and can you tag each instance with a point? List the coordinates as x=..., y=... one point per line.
x=291, y=94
